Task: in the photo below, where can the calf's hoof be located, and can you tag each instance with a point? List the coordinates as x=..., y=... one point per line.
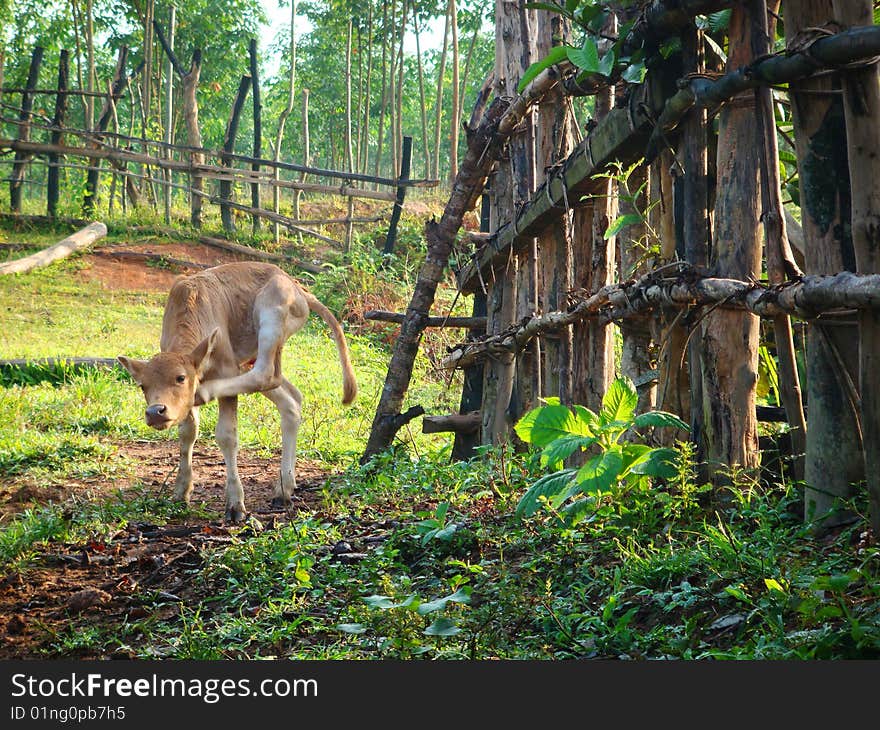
x=235, y=514
x=282, y=502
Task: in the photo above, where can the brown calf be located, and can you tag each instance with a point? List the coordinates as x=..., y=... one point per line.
x=216, y=323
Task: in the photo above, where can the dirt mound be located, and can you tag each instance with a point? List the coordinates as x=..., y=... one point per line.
x=131, y=274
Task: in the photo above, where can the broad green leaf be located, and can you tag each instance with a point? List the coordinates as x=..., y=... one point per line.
x=586, y=58
x=599, y=473
x=555, y=453
x=589, y=419
x=632, y=455
x=352, y=628
x=447, y=532
x=556, y=54
x=660, y=419
x=635, y=73
x=524, y=426
x=598, y=20
x=621, y=222
x=577, y=510
x=549, y=424
x=737, y=593
x=441, y=511
x=377, y=601
x=773, y=585
x=661, y=463
x=462, y=595
x=606, y=65
x=547, y=486
x=384, y=602
x=571, y=6
x=713, y=44
x=619, y=402
x=585, y=13
x=442, y=627
x=720, y=20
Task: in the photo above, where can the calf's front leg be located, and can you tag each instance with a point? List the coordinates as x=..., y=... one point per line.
x=188, y=431
x=227, y=440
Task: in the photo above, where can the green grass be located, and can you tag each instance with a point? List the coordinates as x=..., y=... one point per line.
x=445, y=570
x=47, y=313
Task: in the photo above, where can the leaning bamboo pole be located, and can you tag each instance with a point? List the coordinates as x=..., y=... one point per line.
x=807, y=298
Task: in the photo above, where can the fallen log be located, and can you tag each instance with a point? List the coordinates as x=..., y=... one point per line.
x=806, y=298
x=78, y=241
x=456, y=423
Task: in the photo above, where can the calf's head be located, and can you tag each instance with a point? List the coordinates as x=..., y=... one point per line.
x=169, y=381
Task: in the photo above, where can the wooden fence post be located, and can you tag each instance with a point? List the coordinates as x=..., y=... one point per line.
x=119, y=80
x=406, y=159
x=472, y=389
x=54, y=172
x=228, y=149
x=169, y=116
x=21, y=158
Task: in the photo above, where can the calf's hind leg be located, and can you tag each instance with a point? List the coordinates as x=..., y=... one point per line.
x=288, y=400
x=227, y=440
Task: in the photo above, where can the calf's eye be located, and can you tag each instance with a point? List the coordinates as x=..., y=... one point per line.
x=181, y=378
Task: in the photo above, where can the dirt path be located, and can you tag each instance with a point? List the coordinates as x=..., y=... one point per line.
x=111, y=581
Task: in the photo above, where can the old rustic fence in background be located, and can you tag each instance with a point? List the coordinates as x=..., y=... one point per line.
x=153, y=172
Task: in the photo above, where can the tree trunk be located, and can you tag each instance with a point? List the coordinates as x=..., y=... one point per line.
x=692, y=220
x=456, y=102
x=593, y=263
x=438, y=100
x=258, y=130
x=282, y=120
x=384, y=99
x=512, y=185
x=780, y=262
x=422, y=105
x=193, y=134
x=365, y=152
x=636, y=358
x=24, y=130
x=169, y=116
x=349, y=159
x=119, y=80
x=834, y=457
x=673, y=390
x=861, y=98
x=555, y=141
x=90, y=64
x=730, y=339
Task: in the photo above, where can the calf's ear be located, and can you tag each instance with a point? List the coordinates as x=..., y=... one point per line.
x=201, y=354
x=134, y=367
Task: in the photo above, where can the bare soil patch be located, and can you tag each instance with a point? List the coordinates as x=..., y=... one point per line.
x=135, y=275
x=144, y=570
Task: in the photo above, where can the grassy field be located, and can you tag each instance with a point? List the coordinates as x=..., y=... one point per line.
x=409, y=556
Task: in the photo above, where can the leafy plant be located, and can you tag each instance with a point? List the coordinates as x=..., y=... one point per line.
x=560, y=432
x=612, y=64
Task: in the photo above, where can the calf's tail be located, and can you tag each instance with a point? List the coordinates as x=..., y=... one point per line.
x=349, y=384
